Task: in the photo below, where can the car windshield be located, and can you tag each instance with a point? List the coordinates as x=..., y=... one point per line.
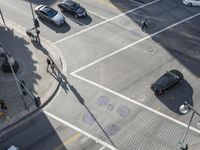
x=50, y=12
x=175, y=76
x=166, y=79
x=75, y=6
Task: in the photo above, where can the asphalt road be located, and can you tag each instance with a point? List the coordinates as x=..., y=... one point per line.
x=45, y=133
x=111, y=64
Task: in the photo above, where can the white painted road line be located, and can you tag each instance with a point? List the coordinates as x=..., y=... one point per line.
x=136, y=102
x=73, y=35
x=134, y=43
x=102, y=148
x=80, y=130
x=134, y=1
x=97, y=15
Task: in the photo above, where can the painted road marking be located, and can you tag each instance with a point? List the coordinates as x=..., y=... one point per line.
x=108, y=20
x=134, y=1
x=80, y=130
x=71, y=139
x=136, y=102
x=97, y=15
x=102, y=148
x=134, y=43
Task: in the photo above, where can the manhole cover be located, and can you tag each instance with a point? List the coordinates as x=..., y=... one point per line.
x=88, y=119
x=102, y=101
x=123, y=111
x=112, y=129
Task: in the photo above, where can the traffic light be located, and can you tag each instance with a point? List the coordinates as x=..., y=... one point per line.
x=37, y=101
x=36, y=23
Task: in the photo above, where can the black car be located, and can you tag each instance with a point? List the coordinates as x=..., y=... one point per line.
x=166, y=81
x=72, y=8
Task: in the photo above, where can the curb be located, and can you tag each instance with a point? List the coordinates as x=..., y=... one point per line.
x=54, y=89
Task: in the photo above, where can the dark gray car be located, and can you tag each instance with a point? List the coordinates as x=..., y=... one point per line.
x=50, y=15
x=72, y=7
x=166, y=81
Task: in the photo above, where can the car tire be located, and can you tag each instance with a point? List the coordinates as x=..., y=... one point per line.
x=61, y=9
x=189, y=4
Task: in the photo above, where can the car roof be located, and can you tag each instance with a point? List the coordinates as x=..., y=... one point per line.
x=164, y=80
x=68, y=2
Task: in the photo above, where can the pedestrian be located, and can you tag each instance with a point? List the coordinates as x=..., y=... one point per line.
x=48, y=64
x=53, y=66
x=3, y=105
x=144, y=24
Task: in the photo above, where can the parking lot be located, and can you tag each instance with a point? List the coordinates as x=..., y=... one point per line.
x=112, y=63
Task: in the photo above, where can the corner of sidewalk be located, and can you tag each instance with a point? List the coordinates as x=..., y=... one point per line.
x=47, y=48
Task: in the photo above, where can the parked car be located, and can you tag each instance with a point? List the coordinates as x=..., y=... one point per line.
x=191, y=2
x=166, y=81
x=50, y=15
x=72, y=8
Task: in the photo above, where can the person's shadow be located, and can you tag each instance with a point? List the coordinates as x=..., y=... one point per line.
x=176, y=96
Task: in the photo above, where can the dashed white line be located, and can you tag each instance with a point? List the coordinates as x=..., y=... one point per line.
x=73, y=35
x=97, y=15
x=135, y=102
x=80, y=130
x=134, y=43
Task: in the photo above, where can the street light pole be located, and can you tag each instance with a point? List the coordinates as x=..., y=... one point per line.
x=184, y=109
x=35, y=21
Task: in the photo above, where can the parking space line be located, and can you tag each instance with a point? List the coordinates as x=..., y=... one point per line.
x=136, y=102
x=80, y=130
x=134, y=43
x=97, y=15
x=103, y=22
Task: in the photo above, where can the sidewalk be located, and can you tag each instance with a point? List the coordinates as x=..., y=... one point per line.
x=31, y=58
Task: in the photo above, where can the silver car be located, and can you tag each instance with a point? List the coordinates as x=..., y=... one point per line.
x=50, y=15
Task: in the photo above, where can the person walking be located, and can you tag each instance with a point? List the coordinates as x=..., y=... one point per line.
x=3, y=105
x=144, y=24
x=48, y=64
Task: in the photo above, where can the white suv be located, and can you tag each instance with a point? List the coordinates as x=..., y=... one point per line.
x=191, y=2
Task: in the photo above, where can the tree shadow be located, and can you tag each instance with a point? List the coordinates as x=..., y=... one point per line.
x=61, y=29
x=80, y=21
x=176, y=96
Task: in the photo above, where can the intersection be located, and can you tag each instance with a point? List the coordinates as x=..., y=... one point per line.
x=111, y=64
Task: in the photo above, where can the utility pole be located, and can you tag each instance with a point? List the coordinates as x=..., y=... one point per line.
x=185, y=109
x=3, y=19
x=35, y=21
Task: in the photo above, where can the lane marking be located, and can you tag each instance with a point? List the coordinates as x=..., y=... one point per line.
x=136, y=102
x=158, y=108
x=134, y=1
x=80, y=130
x=69, y=140
x=134, y=43
x=100, y=16
x=110, y=19
x=102, y=148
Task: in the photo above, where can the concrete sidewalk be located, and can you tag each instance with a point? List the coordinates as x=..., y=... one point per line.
x=31, y=58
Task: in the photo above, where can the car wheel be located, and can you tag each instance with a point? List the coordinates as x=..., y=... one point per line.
x=61, y=9
x=189, y=4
